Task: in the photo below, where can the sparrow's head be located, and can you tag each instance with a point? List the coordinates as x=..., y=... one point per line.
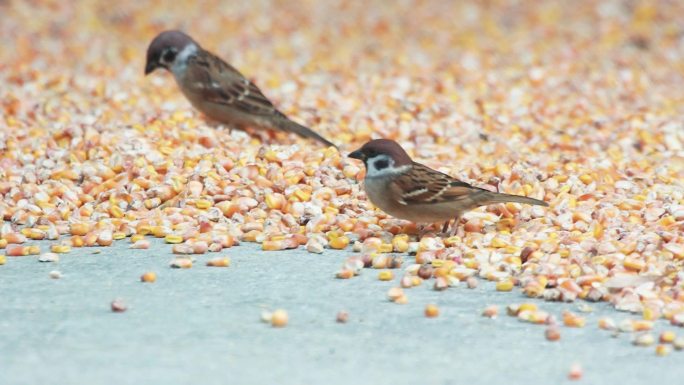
x=166, y=48
x=382, y=157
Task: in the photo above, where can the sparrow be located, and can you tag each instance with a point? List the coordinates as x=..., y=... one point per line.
x=216, y=88
x=409, y=190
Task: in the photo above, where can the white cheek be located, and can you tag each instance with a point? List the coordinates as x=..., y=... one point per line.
x=181, y=62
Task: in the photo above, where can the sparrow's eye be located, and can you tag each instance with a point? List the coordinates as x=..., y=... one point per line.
x=169, y=55
x=381, y=164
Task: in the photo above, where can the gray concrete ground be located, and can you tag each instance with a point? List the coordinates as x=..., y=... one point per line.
x=201, y=326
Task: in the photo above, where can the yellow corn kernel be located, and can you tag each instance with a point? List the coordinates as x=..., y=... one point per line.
x=60, y=248
x=400, y=245
x=586, y=178
x=79, y=228
x=148, y=277
x=663, y=350
x=77, y=241
x=219, y=262
x=633, y=264
x=505, y=285
x=667, y=221
x=137, y=237
x=116, y=212
x=3, y=259
x=498, y=243
x=385, y=275
x=3, y=243
x=666, y=337
x=118, y=235
x=385, y=248
x=158, y=231
x=173, y=238
x=203, y=204
x=527, y=306
x=339, y=243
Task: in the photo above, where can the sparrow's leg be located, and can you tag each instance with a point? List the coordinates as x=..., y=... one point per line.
x=445, y=228
x=454, y=228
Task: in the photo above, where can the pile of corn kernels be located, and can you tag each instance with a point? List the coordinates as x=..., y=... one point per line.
x=577, y=103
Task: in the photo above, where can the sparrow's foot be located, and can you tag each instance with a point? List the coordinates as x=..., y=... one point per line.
x=445, y=228
x=455, y=228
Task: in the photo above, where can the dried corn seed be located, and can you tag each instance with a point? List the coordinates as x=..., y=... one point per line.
x=678, y=343
x=644, y=340
x=386, y=275
x=141, y=244
x=552, y=333
x=505, y=285
x=148, y=277
x=118, y=306
x=3, y=260
x=472, y=282
x=607, y=324
x=575, y=372
x=344, y=274
x=394, y=293
x=491, y=311
x=54, y=274
x=663, y=350
x=173, y=239
x=60, y=248
x=403, y=300
x=49, y=257
x=342, y=317
x=181, y=263
x=14, y=250
x=279, y=318
x=572, y=320
x=219, y=262
x=339, y=243
x=137, y=237
x=667, y=337
x=440, y=284
x=431, y=311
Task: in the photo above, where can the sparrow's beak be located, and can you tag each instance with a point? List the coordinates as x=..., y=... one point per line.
x=150, y=67
x=356, y=155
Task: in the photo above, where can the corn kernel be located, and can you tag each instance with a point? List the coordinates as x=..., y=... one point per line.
x=279, y=318
x=219, y=262
x=385, y=275
x=172, y=238
x=431, y=311
x=339, y=243
x=148, y=277
x=137, y=237
x=667, y=337
x=505, y=285
x=57, y=248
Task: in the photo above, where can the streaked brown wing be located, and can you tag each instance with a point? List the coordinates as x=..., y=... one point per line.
x=425, y=185
x=221, y=83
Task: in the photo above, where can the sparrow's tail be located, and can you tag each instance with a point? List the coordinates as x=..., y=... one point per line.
x=493, y=197
x=304, y=132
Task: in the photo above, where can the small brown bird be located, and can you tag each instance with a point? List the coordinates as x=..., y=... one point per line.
x=216, y=88
x=409, y=190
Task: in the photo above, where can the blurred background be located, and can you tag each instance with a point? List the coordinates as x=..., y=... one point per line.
x=422, y=71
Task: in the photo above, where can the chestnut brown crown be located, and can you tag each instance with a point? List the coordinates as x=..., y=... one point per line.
x=382, y=147
x=164, y=48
